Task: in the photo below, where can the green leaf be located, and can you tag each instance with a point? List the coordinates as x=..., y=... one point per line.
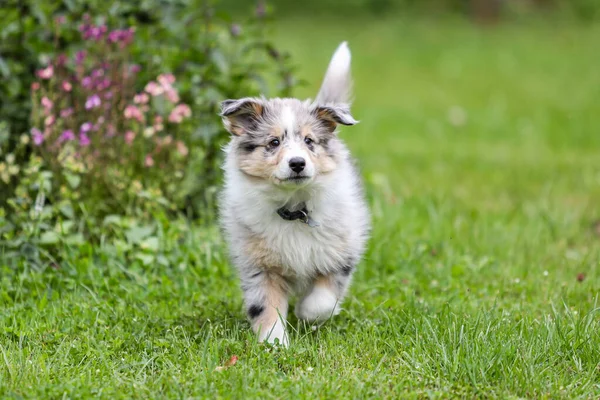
x=73, y=180
x=49, y=237
x=138, y=233
x=75, y=240
x=112, y=219
x=67, y=211
x=151, y=244
x=146, y=259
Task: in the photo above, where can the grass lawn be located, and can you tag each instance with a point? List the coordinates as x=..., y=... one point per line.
x=481, y=154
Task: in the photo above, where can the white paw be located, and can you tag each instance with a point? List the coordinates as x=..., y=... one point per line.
x=319, y=305
x=274, y=334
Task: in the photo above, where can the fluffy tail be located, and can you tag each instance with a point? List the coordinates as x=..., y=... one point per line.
x=337, y=84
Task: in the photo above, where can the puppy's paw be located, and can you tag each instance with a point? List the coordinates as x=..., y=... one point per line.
x=319, y=305
x=275, y=334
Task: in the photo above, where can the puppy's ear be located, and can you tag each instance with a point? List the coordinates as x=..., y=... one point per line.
x=332, y=115
x=241, y=116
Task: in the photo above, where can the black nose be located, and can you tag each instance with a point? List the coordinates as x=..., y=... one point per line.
x=297, y=164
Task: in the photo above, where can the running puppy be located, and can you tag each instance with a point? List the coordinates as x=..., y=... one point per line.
x=292, y=208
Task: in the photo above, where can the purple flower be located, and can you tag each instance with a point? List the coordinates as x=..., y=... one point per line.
x=84, y=140
x=66, y=136
x=61, y=60
x=121, y=36
x=79, y=57
x=37, y=135
x=103, y=84
x=97, y=73
x=86, y=127
x=86, y=82
x=92, y=102
x=92, y=31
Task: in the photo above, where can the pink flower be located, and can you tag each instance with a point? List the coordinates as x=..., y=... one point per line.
x=46, y=73
x=180, y=112
x=110, y=130
x=84, y=140
x=86, y=127
x=92, y=102
x=158, y=123
x=103, y=84
x=129, y=137
x=172, y=96
x=141, y=98
x=66, y=136
x=166, y=80
x=182, y=148
x=135, y=69
x=148, y=161
x=67, y=112
x=132, y=112
x=35, y=86
x=154, y=89
x=37, y=135
x=49, y=120
x=66, y=86
x=47, y=103
x=60, y=20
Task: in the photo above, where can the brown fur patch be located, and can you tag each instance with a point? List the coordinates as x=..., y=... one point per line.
x=327, y=118
x=276, y=304
x=260, y=253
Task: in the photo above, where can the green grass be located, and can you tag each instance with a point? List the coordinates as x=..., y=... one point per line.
x=480, y=151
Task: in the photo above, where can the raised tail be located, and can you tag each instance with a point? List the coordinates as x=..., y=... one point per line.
x=337, y=84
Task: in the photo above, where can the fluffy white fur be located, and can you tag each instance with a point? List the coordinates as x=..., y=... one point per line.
x=313, y=262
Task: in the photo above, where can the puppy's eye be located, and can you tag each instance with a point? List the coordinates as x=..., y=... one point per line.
x=274, y=143
x=308, y=140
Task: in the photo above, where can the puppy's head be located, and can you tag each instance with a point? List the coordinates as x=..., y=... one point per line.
x=284, y=141
x=288, y=142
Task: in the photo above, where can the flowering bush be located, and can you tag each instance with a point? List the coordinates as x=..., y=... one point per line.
x=91, y=127
x=114, y=148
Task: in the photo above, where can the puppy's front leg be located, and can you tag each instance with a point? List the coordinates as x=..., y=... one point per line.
x=266, y=298
x=323, y=299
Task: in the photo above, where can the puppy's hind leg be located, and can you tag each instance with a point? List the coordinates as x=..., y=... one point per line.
x=266, y=298
x=323, y=299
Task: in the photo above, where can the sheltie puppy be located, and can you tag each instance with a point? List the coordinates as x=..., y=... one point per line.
x=292, y=208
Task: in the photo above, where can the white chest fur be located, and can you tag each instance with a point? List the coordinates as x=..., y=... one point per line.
x=249, y=211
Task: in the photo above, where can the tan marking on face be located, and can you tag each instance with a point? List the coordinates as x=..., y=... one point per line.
x=255, y=164
x=322, y=161
x=258, y=165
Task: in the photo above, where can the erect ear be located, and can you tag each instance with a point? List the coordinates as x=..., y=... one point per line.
x=241, y=116
x=331, y=115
